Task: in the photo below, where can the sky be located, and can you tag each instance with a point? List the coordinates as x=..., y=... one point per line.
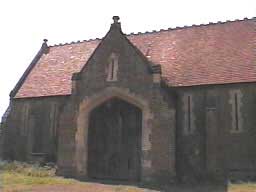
x=24, y=24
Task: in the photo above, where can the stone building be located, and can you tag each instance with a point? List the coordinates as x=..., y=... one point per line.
x=175, y=103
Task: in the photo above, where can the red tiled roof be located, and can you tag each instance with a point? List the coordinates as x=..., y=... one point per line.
x=198, y=55
x=52, y=73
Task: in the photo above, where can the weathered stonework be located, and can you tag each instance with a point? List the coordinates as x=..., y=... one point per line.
x=20, y=126
x=82, y=123
x=186, y=132
x=213, y=150
x=236, y=114
x=189, y=117
x=135, y=84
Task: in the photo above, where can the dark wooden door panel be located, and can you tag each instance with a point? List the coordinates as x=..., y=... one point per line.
x=115, y=141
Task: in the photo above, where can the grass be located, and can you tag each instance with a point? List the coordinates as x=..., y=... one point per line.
x=17, y=176
x=21, y=177
x=12, y=181
x=18, y=182
x=243, y=187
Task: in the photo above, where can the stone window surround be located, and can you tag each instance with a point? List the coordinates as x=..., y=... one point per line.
x=25, y=119
x=235, y=100
x=112, y=67
x=53, y=116
x=89, y=103
x=188, y=111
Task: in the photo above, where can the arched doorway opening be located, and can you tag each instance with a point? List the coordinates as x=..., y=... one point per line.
x=114, y=141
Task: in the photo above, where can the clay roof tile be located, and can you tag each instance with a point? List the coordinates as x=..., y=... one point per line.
x=216, y=53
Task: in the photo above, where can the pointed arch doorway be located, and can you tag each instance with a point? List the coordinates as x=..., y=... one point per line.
x=114, y=141
x=88, y=104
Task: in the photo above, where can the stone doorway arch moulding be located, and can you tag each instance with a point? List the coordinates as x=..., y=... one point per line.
x=89, y=103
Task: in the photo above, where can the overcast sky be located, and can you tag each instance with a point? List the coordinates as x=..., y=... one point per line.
x=24, y=24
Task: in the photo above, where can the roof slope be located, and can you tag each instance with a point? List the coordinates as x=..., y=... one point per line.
x=198, y=55
x=52, y=73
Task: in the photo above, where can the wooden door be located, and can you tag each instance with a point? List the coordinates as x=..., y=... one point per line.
x=114, y=141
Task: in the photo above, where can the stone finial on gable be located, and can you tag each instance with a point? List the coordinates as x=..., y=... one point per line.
x=45, y=41
x=116, y=24
x=116, y=19
x=45, y=47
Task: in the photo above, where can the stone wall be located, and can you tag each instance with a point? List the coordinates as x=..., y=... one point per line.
x=214, y=148
x=197, y=132
x=1, y=140
x=135, y=84
x=30, y=131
